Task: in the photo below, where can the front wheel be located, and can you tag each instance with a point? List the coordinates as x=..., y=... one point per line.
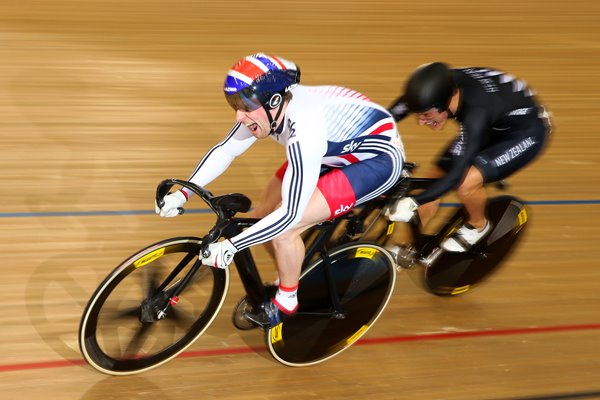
x=364, y=277
x=123, y=330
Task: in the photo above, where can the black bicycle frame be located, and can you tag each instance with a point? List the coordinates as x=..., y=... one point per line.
x=227, y=227
x=250, y=277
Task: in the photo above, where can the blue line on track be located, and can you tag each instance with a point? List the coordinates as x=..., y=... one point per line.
x=207, y=211
x=91, y=213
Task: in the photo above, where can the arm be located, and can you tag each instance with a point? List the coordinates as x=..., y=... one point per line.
x=213, y=164
x=399, y=109
x=472, y=134
x=299, y=183
x=218, y=159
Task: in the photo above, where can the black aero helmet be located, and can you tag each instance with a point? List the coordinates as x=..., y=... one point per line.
x=431, y=85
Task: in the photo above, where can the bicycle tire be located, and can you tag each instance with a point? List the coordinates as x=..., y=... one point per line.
x=457, y=273
x=365, y=277
x=112, y=337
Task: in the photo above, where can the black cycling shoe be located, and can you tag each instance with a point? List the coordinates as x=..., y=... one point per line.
x=267, y=316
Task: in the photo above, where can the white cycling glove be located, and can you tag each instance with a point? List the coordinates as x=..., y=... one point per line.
x=172, y=204
x=403, y=210
x=221, y=254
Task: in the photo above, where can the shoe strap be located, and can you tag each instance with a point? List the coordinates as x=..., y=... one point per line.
x=462, y=242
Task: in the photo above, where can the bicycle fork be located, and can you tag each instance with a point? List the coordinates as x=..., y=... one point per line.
x=155, y=308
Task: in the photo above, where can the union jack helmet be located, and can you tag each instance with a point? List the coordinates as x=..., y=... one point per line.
x=259, y=80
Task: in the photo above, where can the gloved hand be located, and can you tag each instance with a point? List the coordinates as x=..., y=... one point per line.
x=403, y=210
x=173, y=202
x=221, y=254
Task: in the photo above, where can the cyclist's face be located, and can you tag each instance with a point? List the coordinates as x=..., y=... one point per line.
x=433, y=119
x=255, y=120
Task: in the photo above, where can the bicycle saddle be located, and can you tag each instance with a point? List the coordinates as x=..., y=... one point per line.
x=236, y=202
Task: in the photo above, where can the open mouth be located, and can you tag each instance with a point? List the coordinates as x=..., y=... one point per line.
x=253, y=127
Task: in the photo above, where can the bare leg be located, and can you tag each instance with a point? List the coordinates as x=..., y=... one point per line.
x=473, y=195
x=270, y=200
x=289, y=247
x=428, y=210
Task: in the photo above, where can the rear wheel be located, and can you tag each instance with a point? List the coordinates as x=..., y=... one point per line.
x=364, y=276
x=456, y=273
x=122, y=331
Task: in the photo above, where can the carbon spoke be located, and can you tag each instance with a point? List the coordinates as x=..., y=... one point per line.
x=128, y=313
x=137, y=340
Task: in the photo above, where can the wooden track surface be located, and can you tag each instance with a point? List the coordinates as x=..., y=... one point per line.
x=101, y=99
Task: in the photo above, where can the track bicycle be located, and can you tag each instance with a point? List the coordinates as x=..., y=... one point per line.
x=445, y=273
x=162, y=299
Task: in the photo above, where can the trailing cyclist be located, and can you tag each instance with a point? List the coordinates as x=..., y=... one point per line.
x=502, y=129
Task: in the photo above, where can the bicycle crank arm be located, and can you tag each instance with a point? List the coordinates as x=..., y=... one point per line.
x=432, y=257
x=334, y=314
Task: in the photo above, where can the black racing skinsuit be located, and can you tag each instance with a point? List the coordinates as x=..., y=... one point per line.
x=502, y=128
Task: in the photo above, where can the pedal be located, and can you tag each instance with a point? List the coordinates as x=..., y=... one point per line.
x=405, y=257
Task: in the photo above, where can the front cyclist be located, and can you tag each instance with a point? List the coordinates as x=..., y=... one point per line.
x=342, y=150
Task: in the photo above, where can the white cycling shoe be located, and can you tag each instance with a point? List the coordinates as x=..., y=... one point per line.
x=464, y=238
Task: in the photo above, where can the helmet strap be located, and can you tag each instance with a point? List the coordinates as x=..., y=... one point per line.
x=273, y=121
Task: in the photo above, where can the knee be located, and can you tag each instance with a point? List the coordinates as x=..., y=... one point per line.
x=284, y=240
